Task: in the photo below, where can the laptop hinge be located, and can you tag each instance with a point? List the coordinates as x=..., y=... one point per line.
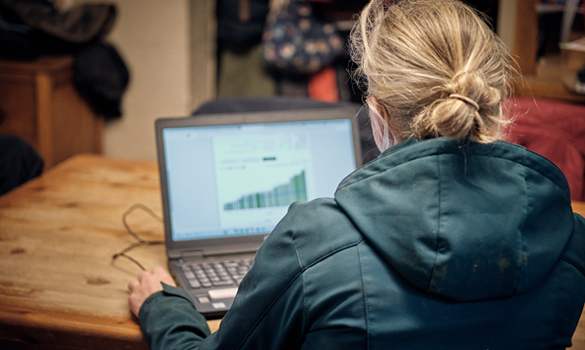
x=249, y=248
x=192, y=254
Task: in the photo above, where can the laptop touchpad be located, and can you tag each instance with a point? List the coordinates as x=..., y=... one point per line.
x=223, y=293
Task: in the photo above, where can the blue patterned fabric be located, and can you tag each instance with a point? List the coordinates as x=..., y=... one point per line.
x=296, y=41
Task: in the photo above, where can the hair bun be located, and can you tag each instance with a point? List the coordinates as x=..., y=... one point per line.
x=473, y=87
x=466, y=100
x=467, y=108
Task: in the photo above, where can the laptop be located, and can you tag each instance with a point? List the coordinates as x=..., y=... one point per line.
x=228, y=179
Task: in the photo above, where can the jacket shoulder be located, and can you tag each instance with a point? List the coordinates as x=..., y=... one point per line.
x=319, y=229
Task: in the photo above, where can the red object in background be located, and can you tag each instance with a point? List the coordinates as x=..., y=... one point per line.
x=555, y=130
x=323, y=86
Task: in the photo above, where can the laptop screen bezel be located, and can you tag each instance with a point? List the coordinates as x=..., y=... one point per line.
x=239, y=244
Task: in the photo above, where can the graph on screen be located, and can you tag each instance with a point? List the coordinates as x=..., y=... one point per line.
x=279, y=196
x=259, y=175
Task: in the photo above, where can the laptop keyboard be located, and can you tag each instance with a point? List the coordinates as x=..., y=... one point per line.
x=216, y=274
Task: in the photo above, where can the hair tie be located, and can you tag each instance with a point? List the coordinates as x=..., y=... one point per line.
x=466, y=100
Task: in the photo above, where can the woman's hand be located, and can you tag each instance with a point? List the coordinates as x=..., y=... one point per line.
x=147, y=284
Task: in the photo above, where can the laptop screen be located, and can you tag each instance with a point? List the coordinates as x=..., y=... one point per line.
x=238, y=180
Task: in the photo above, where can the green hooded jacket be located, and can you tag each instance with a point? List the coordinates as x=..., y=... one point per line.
x=436, y=244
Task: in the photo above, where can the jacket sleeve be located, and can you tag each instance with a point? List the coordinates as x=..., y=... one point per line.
x=169, y=320
x=267, y=312
x=272, y=309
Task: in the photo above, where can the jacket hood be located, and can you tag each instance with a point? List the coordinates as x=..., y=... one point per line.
x=462, y=220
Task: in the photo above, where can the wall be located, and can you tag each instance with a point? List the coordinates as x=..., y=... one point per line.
x=153, y=38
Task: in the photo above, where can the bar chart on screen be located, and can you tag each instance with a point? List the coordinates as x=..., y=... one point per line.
x=279, y=196
x=259, y=176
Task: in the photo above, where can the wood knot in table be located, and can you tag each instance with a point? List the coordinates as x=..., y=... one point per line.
x=40, y=188
x=17, y=251
x=97, y=281
x=10, y=289
x=70, y=205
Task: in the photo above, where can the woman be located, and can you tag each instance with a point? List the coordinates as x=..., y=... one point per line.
x=450, y=239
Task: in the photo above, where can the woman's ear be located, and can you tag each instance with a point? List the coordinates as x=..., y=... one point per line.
x=381, y=111
x=378, y=109
x=383, y=128
x=383, y=136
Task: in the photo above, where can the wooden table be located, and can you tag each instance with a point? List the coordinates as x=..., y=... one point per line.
x=59, y=288
x=58, y=284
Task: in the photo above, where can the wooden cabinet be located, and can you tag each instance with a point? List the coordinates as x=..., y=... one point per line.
x=544, y=78
x=39, y=103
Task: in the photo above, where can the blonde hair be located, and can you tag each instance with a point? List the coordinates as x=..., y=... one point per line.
x=434, y=66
